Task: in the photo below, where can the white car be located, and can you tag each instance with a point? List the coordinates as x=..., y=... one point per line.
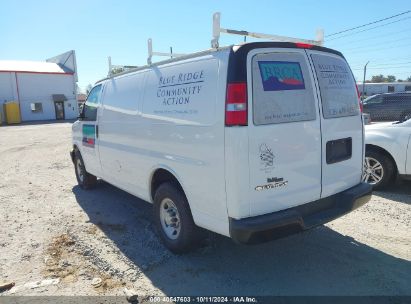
x=388, y=152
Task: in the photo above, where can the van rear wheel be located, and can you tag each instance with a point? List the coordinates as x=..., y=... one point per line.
x=84, y=179
x=173, y=219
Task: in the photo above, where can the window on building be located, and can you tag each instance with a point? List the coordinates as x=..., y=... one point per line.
x=390, y=89
x=36, y=107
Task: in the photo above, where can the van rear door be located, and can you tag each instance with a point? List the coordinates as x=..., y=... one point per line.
x=341, y=123
x=284, y=130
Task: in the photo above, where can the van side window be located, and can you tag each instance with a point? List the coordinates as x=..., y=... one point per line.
x=90, y=107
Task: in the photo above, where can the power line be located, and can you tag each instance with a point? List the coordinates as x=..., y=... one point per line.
x=379, y=49
x=360, y=26
x=378, y=44
x=385, y=68
x=384, y=59
x=385, y=64
x=371, y=28
x=374, y=37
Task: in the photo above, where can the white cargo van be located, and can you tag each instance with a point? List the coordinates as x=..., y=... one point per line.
x=253, y=142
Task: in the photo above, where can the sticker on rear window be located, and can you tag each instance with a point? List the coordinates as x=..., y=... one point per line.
x=281, y=75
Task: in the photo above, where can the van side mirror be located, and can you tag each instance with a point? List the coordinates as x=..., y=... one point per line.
x=81, y=114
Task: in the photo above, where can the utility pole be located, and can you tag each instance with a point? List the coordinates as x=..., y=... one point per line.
x=363, y=82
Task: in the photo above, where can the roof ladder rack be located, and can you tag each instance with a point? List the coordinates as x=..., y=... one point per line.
x=217, y=29
x=151, y=53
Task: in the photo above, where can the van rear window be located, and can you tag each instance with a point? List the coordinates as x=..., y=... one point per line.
x=337, y=86
x=282, y=89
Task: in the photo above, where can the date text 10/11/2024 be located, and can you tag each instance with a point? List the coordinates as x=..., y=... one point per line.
x=200, y=299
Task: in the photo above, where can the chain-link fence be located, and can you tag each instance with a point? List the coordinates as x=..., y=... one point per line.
x=389, y=107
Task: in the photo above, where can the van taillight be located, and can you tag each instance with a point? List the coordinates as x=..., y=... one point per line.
x=236, y=104
x=359, y=98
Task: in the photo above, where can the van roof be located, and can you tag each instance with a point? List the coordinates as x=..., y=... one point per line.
x=239, y=56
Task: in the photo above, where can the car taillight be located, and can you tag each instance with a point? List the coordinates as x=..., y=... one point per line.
x=236, y=104
x=359, y=98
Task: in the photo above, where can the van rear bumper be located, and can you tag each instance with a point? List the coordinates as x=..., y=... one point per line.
x=275, y=225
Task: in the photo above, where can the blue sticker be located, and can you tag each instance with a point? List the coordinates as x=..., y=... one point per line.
x=281, y=75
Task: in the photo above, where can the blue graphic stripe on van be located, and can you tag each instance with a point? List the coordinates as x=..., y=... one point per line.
x=281, y=75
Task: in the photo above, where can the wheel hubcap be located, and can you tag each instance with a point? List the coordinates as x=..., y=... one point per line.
x=80, y=170
x=170, y=218
x=373, y=171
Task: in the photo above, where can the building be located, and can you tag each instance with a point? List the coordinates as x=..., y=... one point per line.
x=45, y=90
x=384, y=87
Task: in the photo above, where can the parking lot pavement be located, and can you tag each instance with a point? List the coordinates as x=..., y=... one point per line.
x=51, y=229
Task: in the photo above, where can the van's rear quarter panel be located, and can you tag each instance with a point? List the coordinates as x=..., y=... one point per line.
x=186, y=134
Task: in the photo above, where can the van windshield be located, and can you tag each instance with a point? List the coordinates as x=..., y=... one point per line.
x=337, y=86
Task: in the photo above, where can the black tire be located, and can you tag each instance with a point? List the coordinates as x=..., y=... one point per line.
x=86, y=181
x=388, y=168
x=188, y=236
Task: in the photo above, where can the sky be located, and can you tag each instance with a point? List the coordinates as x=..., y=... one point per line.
x=96, y=29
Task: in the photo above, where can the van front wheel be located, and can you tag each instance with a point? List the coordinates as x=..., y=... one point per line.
x=84, y=179
x=173, y=219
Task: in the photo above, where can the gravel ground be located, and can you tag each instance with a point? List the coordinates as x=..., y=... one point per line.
x=102, y=241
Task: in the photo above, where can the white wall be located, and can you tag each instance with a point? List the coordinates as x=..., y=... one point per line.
x=377, y=88
x=40, y=88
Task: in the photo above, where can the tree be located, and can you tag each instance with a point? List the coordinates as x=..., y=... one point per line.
x=78, y=89
x=88, y=88
x=391, y=78
x=378, y=78
x=381, y=78
x=409, y=79
x=117, y=70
